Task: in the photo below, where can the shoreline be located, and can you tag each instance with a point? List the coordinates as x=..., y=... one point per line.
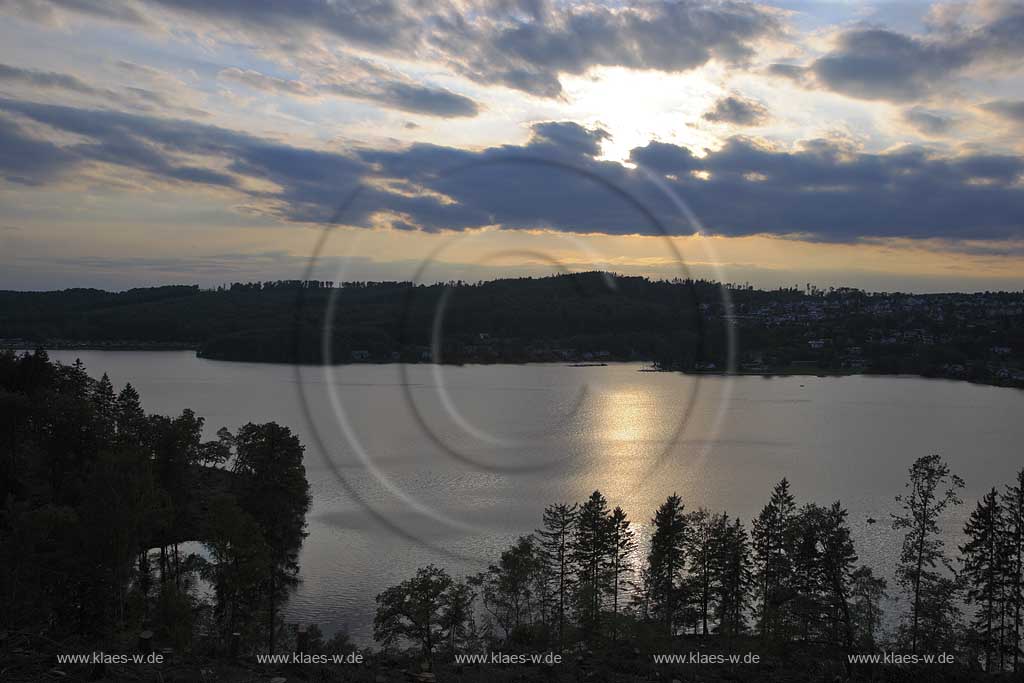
x=767, y=374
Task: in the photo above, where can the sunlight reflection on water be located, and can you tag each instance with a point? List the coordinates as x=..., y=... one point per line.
x=849, y=438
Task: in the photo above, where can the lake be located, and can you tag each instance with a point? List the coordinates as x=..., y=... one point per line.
x=419, y=464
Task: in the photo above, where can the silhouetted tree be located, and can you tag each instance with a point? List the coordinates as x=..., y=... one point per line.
x=592, y=553
x=507, y=588
x=931, y=592
x=700, y=550
x=129, y=417
x=236, y=569
x=555, y=547
x=803, y=595
x=867, y=592
x=268, y=457
x=420, y=610
x=105, y=405
x=623, y=545
x=117, y=515
x=836, y=562
x=666, y=562
x=1013, y=510
x=98, y=483
x=772, y=540
x=731, y=574
x=457, y=622
x=985, y=563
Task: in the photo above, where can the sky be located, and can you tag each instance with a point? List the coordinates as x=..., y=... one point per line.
x=833, y=142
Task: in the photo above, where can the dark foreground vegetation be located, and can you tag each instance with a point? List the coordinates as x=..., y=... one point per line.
x=679, y=325
x=789, y=590
x=98, y=498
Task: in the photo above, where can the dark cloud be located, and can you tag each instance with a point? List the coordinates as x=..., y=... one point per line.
x=410, y=97
x=374, y=24
x=528, y=50
x=791, y=71
x=26, y=160
x=665, y=159
x=159, y=146
x=568, y=137
x=884, y=65
x=131, y=97
x=824, y=190
x=738, y=111
x=524, y=45
x=393, y=94
x=929, y=122
x=1012, y=110
x=46, y=79
x=879, y=64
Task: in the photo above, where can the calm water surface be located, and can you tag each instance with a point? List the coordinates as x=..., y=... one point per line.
x=419, y=464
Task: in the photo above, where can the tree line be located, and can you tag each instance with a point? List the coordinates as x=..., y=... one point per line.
x=98, y=498
x=585, y=580
x=679, y=324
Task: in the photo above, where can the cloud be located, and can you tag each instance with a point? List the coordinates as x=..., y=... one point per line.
x=929, y=122
x=47, y=79
x=822, y=190
x=526, y=45
x=393, y=94
x=259, y=81
x=875, y=63
x=129, y=96
x=410, y=97
x=529, y=45
x=1012, y=110
x=28, y=161
x=738, y=111
x=48, y=11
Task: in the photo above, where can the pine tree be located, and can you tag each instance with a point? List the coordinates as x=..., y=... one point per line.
x=105, y=404
x=700, y=552
x=731, y=567
x=804, y=601
x=836, y=560
x=985, y=563
x=772, y=543
x=1013, y=510
x=129, y=417
x=666, y=563
x=931, y=592
x=623, y=545
x=592, y=555
x=556, y=539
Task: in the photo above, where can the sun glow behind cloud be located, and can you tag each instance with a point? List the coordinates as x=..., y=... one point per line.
x=288, y=102
x=638, y=107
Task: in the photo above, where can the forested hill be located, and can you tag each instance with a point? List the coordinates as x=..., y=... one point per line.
x=583, y=317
